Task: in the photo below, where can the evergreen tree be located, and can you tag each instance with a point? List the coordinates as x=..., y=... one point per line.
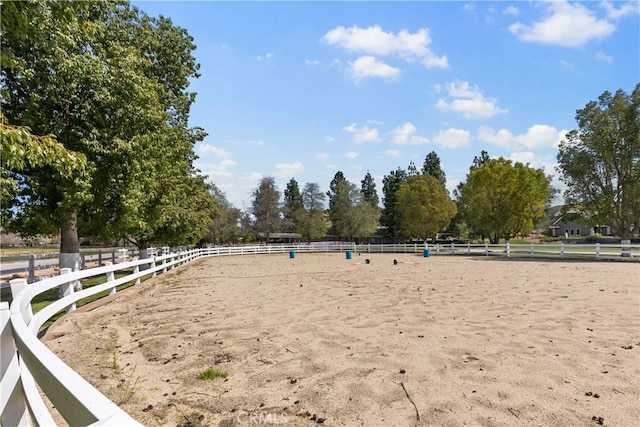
x=432, y=167
x=293, y=204
x=368, y=188
x=390, y=218
x=266, y=209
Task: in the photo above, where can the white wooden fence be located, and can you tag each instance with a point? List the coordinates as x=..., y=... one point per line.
x=26, y=363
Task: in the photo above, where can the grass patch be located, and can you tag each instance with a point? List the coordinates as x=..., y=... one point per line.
x=212, y=374
x=44, y=299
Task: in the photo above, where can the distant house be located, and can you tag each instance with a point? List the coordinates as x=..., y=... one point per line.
x=567, y=226
x=283, y=237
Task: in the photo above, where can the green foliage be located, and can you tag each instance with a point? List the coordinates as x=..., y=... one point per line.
x=424, y=206
x=433, y=168
x=21, y=150
x=351, y=217
x=224, y=227
x=390, y=218
x=212, y=374
x=310, y=222
x=600, y=162
x=109, y=83
x=293, y=204
x=503, y=200
x=368, y=189
x=266, y=208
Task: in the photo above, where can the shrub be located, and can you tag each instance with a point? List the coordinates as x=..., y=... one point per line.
x=212, y=374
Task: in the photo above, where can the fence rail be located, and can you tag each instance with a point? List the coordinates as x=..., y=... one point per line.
x=26, y=363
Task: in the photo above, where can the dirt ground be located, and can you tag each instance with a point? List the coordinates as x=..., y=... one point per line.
x=320, y=339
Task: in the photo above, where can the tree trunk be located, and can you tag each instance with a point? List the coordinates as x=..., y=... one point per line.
x=70, y=247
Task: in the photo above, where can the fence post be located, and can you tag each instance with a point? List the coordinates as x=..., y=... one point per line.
x=507, y=246
x=113, y=256
x=532, y=250
x=453, y=248
x=153, y=266
x=83, y=261
x=14, y=411
x=136, y=270
x=67, y=289
x=468, y=248
x=32, y=268
x=17, y=285
x=99, y=257
x=561, y=249
x=486, y=249
x=597, y=250
x=110, y=278
x=123, y=254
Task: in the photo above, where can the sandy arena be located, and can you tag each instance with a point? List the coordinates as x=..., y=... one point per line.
x=322, y=340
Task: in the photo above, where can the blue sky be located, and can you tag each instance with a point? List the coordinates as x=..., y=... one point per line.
x=305, y=89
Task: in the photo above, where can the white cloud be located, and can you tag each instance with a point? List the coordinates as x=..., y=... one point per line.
x=322, y=156
x=362, y=134
x=369, y=66
x=217, y=170
x=329, y=138
x=332, y=166
x=256, y=141
x=392, y=153
x=629, y=8
x=406, y=135
x=470, y=102
x=312, y=62
x=268, y=55
x=373, y=40
x=252, y=177
x=452, y=138
x=537, y=136
x=205, y=149
x=602, y=57
x=511, y=10
x=286, y=170
x=351, y=155
x=566, y=24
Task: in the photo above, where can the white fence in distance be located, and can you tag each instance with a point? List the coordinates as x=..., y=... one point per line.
x=27, y=363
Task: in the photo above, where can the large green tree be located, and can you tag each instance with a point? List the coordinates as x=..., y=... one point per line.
x=293, y=205
x=111, y=83
x=600, y=162
x=459, y=225
x=266, y=208
x=310, y=222
x=432, y=167
x=390, y=217
x=502, y=199
x=368, y=189
x=225, y=225
x=424, y=206
x=351, y=216
x=19, y=150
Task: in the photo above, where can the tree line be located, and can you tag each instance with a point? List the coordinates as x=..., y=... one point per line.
x=96, y=146
x=498, y=200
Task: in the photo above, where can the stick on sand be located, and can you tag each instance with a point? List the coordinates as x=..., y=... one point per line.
x=412, y=402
